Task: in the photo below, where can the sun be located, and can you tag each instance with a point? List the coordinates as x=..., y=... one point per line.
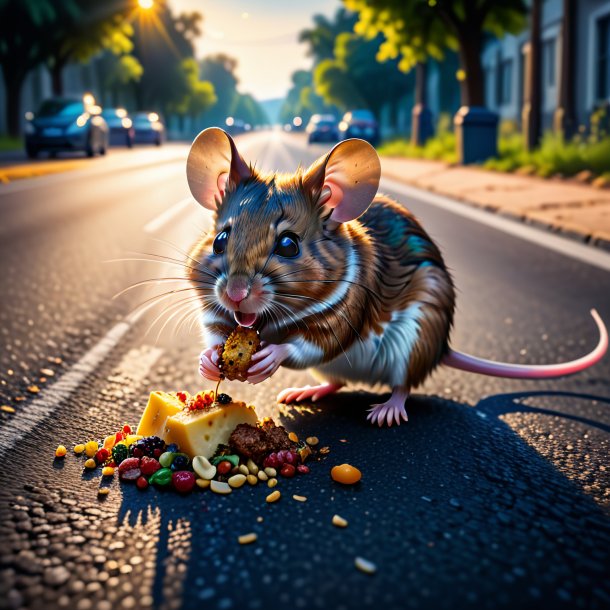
x=145, y=4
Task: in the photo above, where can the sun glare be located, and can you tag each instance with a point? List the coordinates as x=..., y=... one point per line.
x=145, y=4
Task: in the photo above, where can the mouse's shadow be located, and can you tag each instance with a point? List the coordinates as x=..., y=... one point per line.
x=465, y=469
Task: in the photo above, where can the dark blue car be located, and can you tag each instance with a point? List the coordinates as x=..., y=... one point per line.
x=66, y=124
x=148, y=128
x=120, y=127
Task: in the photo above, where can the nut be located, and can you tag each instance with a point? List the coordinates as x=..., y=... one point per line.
x=252, y=479
x=262, y=475
x=274, y=496
x=247, y=538
x=339, y=521
x=237, y=480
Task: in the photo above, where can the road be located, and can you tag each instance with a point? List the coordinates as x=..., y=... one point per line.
x=495, y=494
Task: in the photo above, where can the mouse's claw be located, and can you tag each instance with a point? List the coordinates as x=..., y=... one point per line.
x=267, y=361
x=393, y=410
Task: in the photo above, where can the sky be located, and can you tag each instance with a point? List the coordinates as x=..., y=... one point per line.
x=261, y=34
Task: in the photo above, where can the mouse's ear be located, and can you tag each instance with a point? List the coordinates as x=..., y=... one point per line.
x=213, y=162
x=346, y=179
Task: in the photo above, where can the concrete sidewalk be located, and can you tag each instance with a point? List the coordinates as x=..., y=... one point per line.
x=565, y=206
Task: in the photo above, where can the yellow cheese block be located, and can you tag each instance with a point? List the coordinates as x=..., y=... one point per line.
x=200, y=432
x=161, y=405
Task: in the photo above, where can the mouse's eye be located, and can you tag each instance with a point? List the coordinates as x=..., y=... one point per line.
x=287, y=245
x=220, y=242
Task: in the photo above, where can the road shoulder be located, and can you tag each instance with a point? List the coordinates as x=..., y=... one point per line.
x=578, y=211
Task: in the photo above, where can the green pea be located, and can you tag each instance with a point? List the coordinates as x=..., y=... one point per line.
x=166, y=459
x=162, y=477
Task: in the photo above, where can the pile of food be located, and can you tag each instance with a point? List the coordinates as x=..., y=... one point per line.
x=183, y=442
x=206, y=440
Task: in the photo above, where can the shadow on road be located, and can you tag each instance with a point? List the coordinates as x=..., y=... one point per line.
x=454, y=508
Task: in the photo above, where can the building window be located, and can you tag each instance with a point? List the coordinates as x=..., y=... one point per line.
x=549, y=62
x=506, y=81
x=603, y=58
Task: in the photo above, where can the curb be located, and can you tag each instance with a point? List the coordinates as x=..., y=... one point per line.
x=583, y=238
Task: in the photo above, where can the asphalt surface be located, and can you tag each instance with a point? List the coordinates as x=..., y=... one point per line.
x=494, y=495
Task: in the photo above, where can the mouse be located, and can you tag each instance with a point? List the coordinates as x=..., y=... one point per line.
x=336, y=277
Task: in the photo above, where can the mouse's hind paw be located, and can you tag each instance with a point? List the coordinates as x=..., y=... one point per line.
x=393, y=410
x=314, y=393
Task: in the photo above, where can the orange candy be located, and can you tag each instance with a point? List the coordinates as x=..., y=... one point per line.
x=346, y=474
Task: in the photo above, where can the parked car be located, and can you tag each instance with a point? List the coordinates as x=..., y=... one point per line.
x=121, y=132
x=360, y=124
x=148, y=128
x=66, y=124
x=322, y=128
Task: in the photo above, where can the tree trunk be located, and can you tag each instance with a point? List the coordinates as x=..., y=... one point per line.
x=564, y=121
x=531, y=115
x=13, y=83
x=57, y=83
x=472, y=87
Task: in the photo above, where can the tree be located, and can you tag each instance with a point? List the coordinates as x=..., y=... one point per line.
x=120, y=72
x=24, y=28
x=162, y=41
x=418, y=29
x=196, y=95
x=220, y=71
x=81, y=38
x=355, y=79
x=248, y=110
x=302, y=100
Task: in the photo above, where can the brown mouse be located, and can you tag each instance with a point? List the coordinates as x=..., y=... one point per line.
x=334, y=276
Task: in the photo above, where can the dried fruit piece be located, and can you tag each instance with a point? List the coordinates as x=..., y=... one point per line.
x=274, y=496
x=237, y=353
x=364, y=565
x=346, y=474
x=339, y=521
x=60, y=451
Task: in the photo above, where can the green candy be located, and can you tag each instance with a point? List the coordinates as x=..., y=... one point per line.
x=166, y=459
x=119, y=453
x=234, y=459
x=162, y=477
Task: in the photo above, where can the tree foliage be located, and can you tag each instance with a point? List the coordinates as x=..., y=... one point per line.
x=196, y=96
x=415, y=30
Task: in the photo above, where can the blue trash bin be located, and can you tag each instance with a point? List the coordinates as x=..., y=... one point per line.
x=476, y=131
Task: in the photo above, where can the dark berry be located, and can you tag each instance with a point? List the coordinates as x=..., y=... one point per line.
x=224, y=399
x=291, y=457
x=302, y=469
x=172, y=448
x=180, y=462
x=271, y=461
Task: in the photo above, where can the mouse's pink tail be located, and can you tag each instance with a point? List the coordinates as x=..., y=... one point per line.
x=472, y=364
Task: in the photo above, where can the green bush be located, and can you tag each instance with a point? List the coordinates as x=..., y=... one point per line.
x=8, y=143
x=441, y=147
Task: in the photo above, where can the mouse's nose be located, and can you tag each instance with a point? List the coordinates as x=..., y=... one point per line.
x=238, y=288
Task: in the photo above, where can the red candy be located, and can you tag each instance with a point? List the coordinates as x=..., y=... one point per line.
x=129, y=464
x=302, y=469
x=224, y=467
x=141, y=483
x=102, y=455
x=183, y=481
x=288, y=470
x=126, y=429
x=149, y=465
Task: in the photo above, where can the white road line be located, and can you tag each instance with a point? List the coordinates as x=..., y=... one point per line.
x=54, y=395
x=563, y=245
x=166, y=217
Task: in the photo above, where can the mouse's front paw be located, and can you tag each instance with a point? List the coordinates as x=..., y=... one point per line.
x=267, y=361
x=208, y=364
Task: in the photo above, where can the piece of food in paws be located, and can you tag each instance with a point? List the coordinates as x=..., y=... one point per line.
x=200, y=431
x=161, y=405
x=237, y=352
